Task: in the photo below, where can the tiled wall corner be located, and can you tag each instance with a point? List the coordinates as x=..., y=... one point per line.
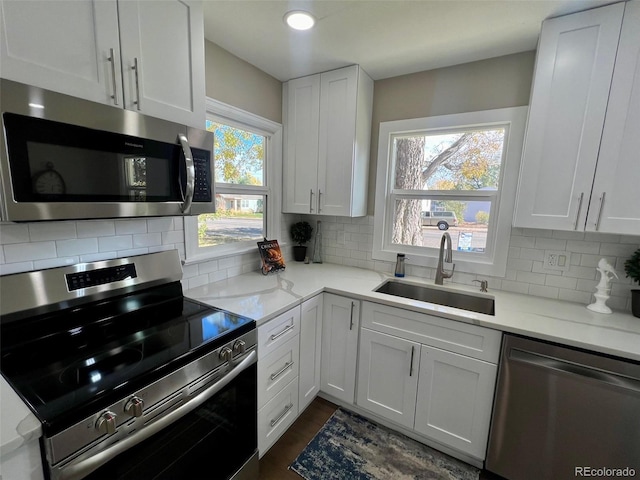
x=349, y=241
x=34, y=246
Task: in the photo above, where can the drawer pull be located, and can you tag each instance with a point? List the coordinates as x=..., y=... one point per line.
x=575, y=225
x=353, y=304
x=288, y=365
x=278, y=335
x=413, y=349
x=279, y=417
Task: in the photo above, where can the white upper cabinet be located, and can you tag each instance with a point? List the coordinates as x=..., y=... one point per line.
x=63, y=46
x=616, y=191
x=327, y=119
x=575, y=65
x=89, y=50
x=165, y=41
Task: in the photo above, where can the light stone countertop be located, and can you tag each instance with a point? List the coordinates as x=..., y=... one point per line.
x=19, y=425
x=264, y=297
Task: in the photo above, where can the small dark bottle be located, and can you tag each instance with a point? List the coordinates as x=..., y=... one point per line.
x=400, y=265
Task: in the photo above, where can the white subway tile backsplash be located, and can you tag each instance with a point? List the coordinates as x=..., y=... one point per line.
x=580, y=246
x=147, y=239
x=125, y=227
x=55, y=262
x=530, y=277
x=346, y=241
x=13, y=233
x=97, y=257
x=561, y=282
x=543, y=243
x=9, y=268
x=39, y=232
x=173, y=236
x=70, y=248
x=132, y=252
x=543, y=291
x=574, y=296
x=95, y=228
x=24, y=252
x=160, y=224
x=117, y=242
x=580, y=272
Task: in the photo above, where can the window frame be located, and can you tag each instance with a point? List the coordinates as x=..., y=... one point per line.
x=272, y=188
x=494, y=260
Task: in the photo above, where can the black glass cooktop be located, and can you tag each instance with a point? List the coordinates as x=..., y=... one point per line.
x=68, y=364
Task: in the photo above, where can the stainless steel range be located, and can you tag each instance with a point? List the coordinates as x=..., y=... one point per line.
x=129, y=378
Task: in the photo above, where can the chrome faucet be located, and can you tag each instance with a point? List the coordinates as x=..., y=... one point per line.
x=440, y=273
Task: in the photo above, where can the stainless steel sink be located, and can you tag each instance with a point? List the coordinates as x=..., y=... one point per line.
x=441, y=297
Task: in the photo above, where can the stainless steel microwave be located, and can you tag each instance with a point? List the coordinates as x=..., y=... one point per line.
x=67, y=158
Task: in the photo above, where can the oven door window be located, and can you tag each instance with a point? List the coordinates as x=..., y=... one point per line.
x=218, y=438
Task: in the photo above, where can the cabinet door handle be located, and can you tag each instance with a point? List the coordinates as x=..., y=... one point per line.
x=600, y=211
x=353, y=305
x=413, y=349
x=311, y=200
x=319, y=200
x=286, y=367
x=136, y=68
x=279, y=417
x=112, y=60
x=278, y=335
x=575, y=225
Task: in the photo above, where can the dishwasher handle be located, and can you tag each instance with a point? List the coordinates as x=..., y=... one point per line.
x=571, y=368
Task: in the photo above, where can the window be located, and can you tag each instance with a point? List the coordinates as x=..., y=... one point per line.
x=455, y=174
x=247, y=156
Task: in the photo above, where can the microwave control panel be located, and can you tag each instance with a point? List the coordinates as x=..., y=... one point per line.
x=203, y=181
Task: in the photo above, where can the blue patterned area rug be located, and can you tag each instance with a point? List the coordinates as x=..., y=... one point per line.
x=350, y=447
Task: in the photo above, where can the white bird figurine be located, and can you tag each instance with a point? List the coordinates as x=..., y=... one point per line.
x=603, y=288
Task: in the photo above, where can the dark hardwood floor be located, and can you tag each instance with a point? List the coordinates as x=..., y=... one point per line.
x=275, y=464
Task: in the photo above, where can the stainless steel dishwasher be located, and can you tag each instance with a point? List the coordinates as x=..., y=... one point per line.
x=562, y=413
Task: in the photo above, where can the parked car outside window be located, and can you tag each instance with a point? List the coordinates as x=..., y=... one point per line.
x=442, y=220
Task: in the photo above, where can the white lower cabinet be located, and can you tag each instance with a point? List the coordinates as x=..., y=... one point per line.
x=455, y=396
x=310, y=349
x=276, y=416
x=388, y=376
x=340, y=324
x=442, y=395
x=277, y=369
x=288, y=368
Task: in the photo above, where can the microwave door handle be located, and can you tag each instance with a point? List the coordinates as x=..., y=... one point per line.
x=187, y=198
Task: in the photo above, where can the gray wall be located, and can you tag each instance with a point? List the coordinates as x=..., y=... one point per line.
x=231, y=80
x=499, y=82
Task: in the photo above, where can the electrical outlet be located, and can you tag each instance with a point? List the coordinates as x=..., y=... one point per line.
x=556, y=260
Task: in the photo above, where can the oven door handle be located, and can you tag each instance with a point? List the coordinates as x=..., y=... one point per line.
x=88, y=462
x=185, y=208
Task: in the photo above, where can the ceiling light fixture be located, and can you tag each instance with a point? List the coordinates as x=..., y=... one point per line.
x=300, y=20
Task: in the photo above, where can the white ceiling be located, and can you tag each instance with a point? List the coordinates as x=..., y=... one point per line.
x=386, y=37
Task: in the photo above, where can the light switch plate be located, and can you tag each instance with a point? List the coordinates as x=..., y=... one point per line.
x=556, y=260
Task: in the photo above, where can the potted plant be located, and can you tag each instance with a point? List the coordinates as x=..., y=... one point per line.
x=632, y=269
x=301, y=234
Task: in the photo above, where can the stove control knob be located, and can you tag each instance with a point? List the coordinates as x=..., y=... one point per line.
x=106, y=423
x=239, y=346
x=134, y=406
x=225, y=354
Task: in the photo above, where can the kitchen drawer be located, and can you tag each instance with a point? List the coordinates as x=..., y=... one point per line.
x=278, y=331
x=277, y=416
x=278, y=369
x=458, y=337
